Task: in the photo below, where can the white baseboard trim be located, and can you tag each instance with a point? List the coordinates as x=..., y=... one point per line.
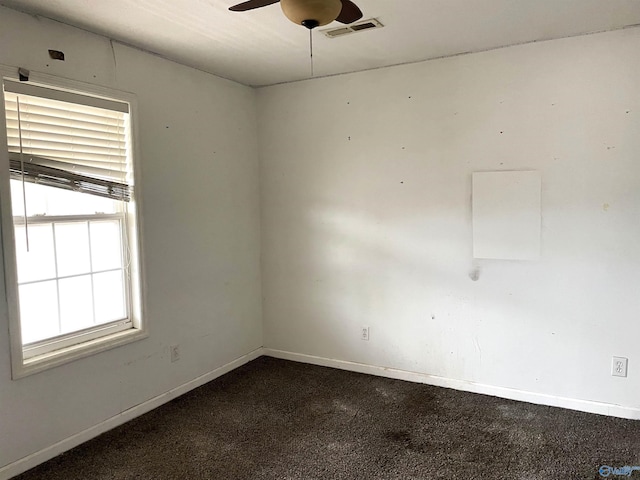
x=56, y=449
x=502, y=392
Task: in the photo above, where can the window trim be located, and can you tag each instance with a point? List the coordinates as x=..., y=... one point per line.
x=21, y=366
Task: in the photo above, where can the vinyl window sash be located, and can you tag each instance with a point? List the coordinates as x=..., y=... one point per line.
x=62, y=341
x=59, y=342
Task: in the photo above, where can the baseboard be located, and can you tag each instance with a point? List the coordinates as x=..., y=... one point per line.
x=56, y=449
x=502, y=392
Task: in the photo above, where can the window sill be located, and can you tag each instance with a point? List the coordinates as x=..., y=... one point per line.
x=65, y=355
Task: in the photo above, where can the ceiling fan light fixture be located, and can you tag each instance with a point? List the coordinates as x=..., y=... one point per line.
x=311, y=13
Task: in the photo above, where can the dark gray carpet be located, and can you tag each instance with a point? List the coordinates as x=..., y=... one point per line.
x=273, y=419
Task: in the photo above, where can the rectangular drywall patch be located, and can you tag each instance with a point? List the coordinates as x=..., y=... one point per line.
x=506, y=215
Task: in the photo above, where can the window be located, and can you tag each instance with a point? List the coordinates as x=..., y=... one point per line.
x=74, y=287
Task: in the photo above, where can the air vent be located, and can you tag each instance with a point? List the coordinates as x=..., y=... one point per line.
x=353, y=28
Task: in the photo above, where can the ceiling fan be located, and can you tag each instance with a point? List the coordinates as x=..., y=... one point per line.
x=309, y=13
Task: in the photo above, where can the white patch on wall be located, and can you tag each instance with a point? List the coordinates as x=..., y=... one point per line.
x=506, y=215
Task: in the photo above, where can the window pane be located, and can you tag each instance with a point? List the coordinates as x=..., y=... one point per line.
x=36, y=203
x=66, y=202
x=72, y=248
x=44, y=200
x=106, y=250
x=108, y=290
x=76, y=303
x=38, y=311
x=17, y=201
x=39, y=262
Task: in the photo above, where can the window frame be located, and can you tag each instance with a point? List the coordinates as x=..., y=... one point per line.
x=100, y=337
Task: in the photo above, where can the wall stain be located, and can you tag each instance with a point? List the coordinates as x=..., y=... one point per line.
x=139, y=359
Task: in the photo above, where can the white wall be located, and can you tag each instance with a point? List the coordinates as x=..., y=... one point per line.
x=366, y=218
x=201, y=230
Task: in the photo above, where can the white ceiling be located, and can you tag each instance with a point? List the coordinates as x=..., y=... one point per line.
x=262, y=47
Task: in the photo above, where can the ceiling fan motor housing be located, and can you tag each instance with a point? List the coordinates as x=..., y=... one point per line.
x=311, y=13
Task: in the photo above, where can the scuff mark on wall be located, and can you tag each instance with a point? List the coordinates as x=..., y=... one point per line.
x=140, y=359
x=474, y=274
x=476, y=343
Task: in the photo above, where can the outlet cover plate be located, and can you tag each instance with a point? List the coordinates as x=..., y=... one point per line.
x=364, y=333
x=619, y=366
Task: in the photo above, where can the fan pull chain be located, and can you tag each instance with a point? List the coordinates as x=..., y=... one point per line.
x=24, y=192
x=311, y=49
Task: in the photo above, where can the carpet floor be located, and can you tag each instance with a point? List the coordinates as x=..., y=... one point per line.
x=274, y=419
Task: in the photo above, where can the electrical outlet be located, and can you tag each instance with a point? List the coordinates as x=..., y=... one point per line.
x=364, y=333
x=175, y=353
x=619, y=366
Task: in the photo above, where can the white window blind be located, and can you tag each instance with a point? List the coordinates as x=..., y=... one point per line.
x=67, y=140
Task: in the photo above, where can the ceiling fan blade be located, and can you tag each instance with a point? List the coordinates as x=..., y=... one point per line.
x=350, y=12
x=251, y=4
